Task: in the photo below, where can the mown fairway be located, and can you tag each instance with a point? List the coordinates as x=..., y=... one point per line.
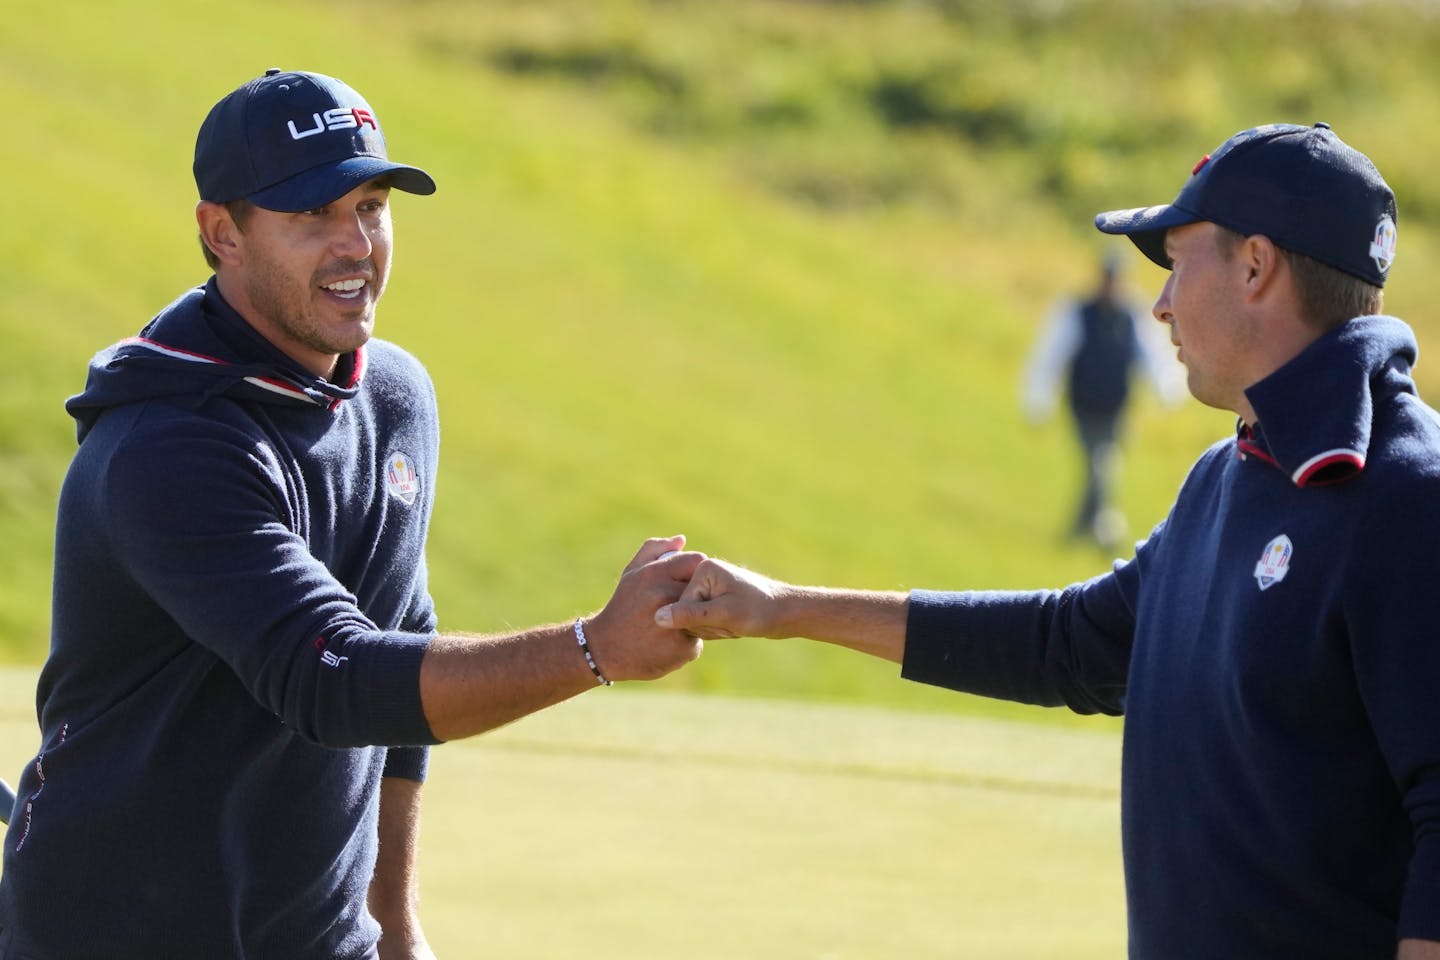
x=651, y=826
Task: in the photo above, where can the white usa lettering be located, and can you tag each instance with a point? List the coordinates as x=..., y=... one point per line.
x=337, y=118
x=330, y=660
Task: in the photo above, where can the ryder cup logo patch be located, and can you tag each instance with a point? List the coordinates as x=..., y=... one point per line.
x=401, y=480
x=1274, y=562
x=1382, y=248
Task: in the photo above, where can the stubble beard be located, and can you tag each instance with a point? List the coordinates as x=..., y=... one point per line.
x=288, y=307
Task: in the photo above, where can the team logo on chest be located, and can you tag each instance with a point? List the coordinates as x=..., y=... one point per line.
x=1274, y=562
x=401, y=480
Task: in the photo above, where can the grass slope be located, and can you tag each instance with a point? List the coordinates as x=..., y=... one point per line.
x=633, y=826
x=634, y=326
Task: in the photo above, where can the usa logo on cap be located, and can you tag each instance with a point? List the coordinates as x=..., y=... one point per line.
x=293, y=141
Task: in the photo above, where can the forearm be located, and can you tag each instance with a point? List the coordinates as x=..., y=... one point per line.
x=471, y=684
x=1418, y=950
x=871, y=622
x=394, y=895
x=725, y=600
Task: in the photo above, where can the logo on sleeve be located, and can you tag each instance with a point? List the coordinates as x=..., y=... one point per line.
x=401, y=480
x=1274, y=562
x=328, y=657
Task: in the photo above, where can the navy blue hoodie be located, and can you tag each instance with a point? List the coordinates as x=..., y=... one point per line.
x=1278, y=665
x=240, y=612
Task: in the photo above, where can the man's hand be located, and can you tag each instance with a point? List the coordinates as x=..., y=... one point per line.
x=393, y=948
x=470, y=684
x=723, y=600
x=625, y=638
x=394, y=895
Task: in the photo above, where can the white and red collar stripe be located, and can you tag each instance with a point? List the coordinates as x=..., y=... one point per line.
x=1313, y=471
x=264, y=383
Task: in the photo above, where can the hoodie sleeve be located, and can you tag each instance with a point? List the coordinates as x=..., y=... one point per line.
x=413, y=763
x=213, y=547
x=1050, y=648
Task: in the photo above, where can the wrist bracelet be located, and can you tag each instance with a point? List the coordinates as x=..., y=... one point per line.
x=589, y=657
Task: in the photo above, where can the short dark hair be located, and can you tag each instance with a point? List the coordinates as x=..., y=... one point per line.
x=239, y=211
x=1328, y=296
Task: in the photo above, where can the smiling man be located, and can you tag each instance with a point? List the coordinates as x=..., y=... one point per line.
x=1269, y=644
x=312, y=279
x=245, y=672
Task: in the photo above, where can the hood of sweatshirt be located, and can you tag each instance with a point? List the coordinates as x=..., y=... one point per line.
x=1314, y=414
x=199, y=347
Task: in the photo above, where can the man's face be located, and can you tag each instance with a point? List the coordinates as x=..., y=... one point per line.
x=1201, y=304
x=311, y=280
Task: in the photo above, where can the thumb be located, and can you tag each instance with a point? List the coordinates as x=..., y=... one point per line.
x=682, y=612
x=655, y=548
x=685, y=612
x=699, y=616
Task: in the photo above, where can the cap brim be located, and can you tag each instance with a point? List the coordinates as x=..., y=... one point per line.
x=1146, y=226
x=328, y=182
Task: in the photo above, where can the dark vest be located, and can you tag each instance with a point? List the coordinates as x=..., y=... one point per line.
x=1100, y=369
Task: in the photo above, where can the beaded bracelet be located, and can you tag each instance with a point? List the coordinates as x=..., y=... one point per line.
x=589, y=657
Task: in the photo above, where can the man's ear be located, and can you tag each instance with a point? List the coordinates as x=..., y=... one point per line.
x=1261, y=262
x=219, y=232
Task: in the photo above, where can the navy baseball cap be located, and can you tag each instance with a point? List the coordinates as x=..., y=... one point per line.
x=293, y=141
x=1303, y=187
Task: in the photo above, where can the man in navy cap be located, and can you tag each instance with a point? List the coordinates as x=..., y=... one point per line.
x=1269, y=644
x=245, y=673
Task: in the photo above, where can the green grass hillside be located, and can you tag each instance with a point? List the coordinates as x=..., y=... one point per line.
x=761, y=272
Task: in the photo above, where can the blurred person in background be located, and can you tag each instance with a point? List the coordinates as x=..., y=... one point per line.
x=1269, y=643
x=1091, y=348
